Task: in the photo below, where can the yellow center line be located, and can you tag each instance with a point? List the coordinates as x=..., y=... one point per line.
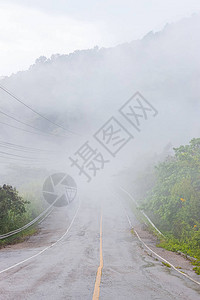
x=99, y=271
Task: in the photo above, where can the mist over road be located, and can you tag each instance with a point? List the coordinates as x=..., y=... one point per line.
x=68, y=269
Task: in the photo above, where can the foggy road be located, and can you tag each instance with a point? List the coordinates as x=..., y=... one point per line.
x=99, y=150
x=91, y=255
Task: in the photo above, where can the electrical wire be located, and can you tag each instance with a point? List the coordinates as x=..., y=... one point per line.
x=13, y=118
x=36, y=112
x=25, y=129
x=16, y=155
x=18, y=147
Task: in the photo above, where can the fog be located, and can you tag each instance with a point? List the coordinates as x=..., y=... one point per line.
x=82, y=90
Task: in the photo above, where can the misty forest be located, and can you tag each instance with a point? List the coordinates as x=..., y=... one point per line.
x=48, y=111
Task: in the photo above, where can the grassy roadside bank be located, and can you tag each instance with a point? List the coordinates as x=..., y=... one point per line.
x=193, y=255
x=169, y=193
x=167, y=242
x=19, y=237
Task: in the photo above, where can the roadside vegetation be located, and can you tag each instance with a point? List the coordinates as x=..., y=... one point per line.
x=18, y=209
x=173, y=203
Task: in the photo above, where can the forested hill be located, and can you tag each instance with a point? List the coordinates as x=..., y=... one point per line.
x=90, y=85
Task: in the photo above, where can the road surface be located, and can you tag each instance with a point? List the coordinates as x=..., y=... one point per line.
x=97, y=256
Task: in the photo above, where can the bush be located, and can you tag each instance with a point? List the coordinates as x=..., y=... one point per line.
x=174, y=201
x=12, y=209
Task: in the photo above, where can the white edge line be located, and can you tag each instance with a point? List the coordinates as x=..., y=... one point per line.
x=142, y=211
x=42, y=251
x=158, y=254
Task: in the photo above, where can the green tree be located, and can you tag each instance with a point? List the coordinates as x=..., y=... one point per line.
x=174, y=202
x=12, y=208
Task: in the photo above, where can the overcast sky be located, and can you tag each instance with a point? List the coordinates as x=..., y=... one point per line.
x=31, y=28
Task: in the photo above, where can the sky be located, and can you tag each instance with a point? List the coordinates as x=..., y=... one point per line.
x=33, y=28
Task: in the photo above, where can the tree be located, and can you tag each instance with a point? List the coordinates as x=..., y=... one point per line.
x=12, y=208
x=174, y=201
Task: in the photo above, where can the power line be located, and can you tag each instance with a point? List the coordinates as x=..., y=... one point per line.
x=14, y=158
x=26, y=150
x=13, y=118
x=15, y=155
x=21, y=147
x=25, y=162
x=39, y=158
x=22, y=159
x=16, y=149
x=36, y=112
x=24, y=129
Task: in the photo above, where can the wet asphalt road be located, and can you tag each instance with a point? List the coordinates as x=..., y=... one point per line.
x=68, y=269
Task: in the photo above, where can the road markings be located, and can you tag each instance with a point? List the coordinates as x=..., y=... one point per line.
x=45, y=249
x=160, y=257
x=99, y=271
x=135, y=202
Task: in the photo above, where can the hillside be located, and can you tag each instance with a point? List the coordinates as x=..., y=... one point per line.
x=83, y=89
